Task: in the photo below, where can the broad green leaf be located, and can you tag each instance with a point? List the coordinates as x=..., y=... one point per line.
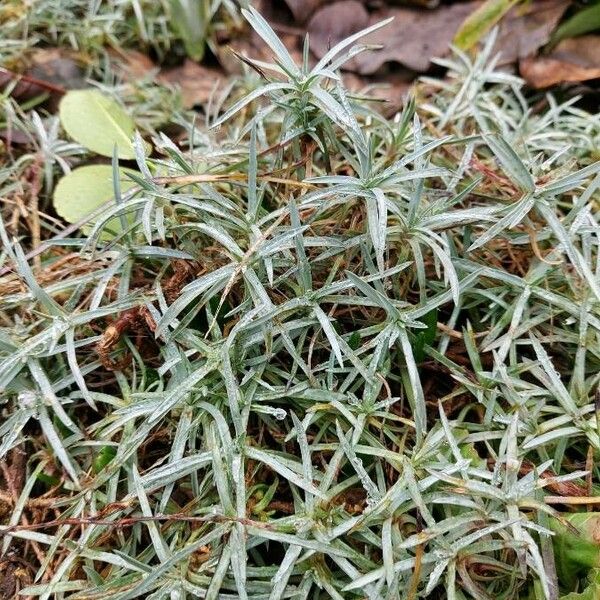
x=85, y=189
x=576, y=546
x=190, y=19
x=97, y=122
x=425, y=336
x=104, y=456
x=584, y=21
x=480, y=21
x=592, y=590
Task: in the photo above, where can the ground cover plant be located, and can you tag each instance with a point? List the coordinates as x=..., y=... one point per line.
x=304, y=351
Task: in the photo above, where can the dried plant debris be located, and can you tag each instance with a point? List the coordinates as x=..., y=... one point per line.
x=527, y=28
x=413, y=38
x=572, y=60
x=416, y=36
x=306, y=351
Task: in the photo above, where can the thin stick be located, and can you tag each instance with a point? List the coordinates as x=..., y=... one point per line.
x=57, y=89
x=34, y=214
x=416, y=575
x=572, y=500
x=130, y=521
x=207, y=178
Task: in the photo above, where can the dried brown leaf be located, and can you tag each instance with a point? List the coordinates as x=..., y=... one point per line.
x=526, y=28
x=573, y=60
x=58, y=66
x=132, y=64
x=412, y=39
x=304, y=9
x=335, y=22
x=50, y=71
x=197, y=82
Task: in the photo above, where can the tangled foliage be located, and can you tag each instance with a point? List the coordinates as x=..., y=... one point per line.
x=323, y=354
x=89, y=27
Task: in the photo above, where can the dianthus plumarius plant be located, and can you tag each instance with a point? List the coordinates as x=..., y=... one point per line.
x=313, y=353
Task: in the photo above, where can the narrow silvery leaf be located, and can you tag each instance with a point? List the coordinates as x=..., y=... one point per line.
x=329, y=331
x=330, y=55
x=270, y=87
x=260, y=25
x=510, y=162
x=252, y=177
x=162, y=552
x=415, y=390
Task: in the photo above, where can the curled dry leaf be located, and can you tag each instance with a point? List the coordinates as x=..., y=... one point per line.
x=335, y=22
x=573, y=60
x=416, y=35
x=413, y=38
x=526, y=28
x=304, y=9
x=132, y=64
x=50, y=71
x=197, y=83
x=25, y=87
x=58, y=66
